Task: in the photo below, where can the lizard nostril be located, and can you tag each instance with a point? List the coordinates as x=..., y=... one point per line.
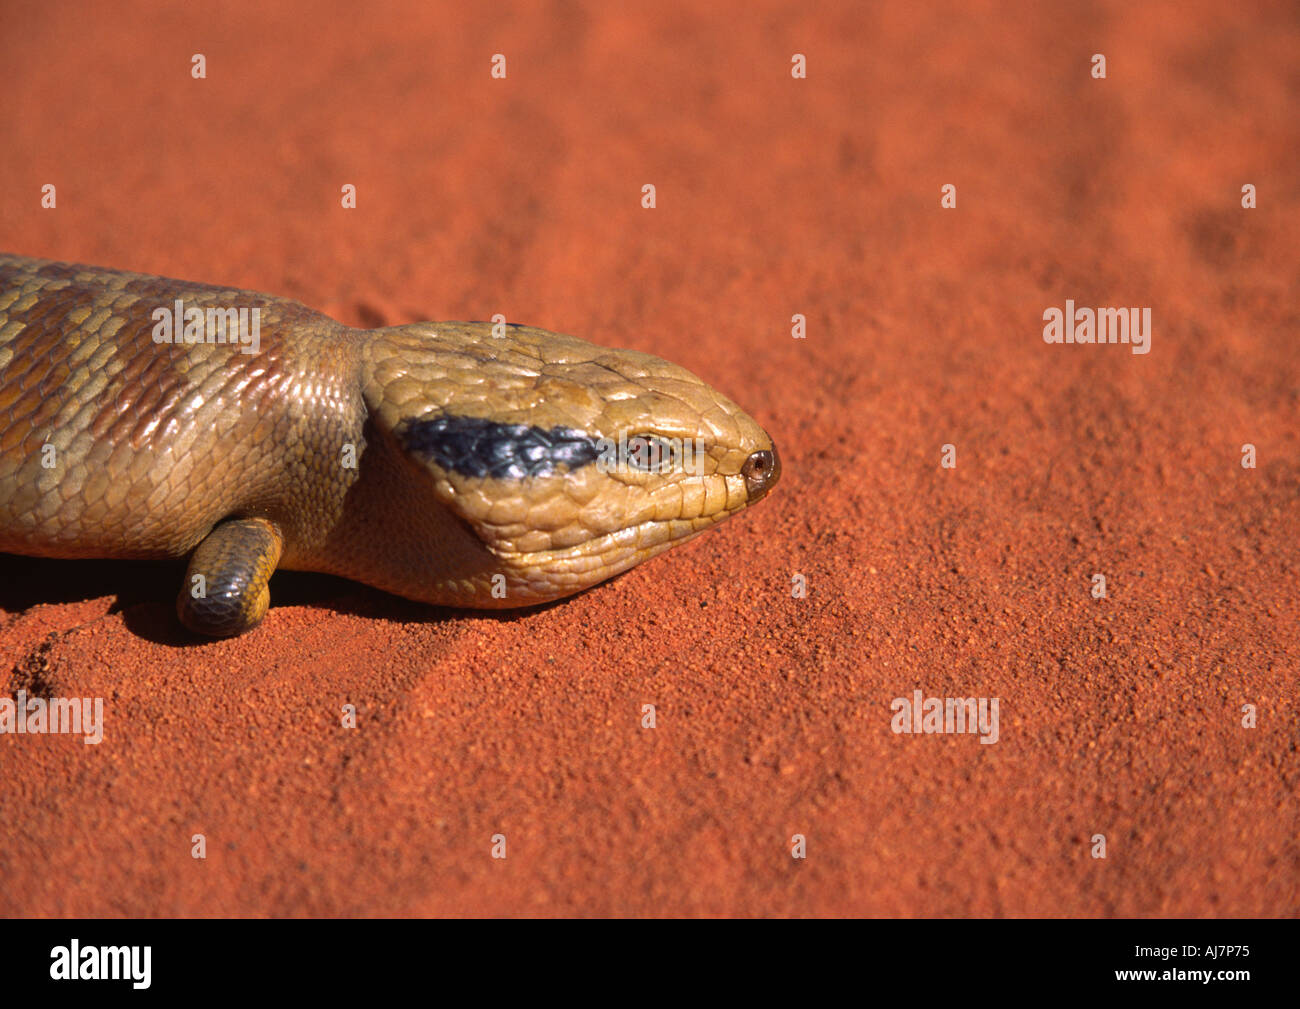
x=761, y=471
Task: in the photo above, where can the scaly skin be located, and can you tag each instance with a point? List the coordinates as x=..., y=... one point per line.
x=437, y=461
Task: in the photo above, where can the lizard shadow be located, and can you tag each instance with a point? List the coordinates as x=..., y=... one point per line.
x=145, y=595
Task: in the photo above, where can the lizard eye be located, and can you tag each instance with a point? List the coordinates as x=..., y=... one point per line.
x=650, y=454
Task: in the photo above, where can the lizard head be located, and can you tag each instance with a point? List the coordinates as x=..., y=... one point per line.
x=560, y=463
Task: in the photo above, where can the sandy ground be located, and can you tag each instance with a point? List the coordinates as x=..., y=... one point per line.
x=1119, y=716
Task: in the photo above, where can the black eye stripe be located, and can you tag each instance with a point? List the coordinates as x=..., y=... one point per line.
x=478, y=447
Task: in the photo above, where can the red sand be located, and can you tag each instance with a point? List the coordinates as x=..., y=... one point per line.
x=1119, y=717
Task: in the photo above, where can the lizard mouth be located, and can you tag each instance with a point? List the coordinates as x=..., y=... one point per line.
x=577, y=556
x=550, y=573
